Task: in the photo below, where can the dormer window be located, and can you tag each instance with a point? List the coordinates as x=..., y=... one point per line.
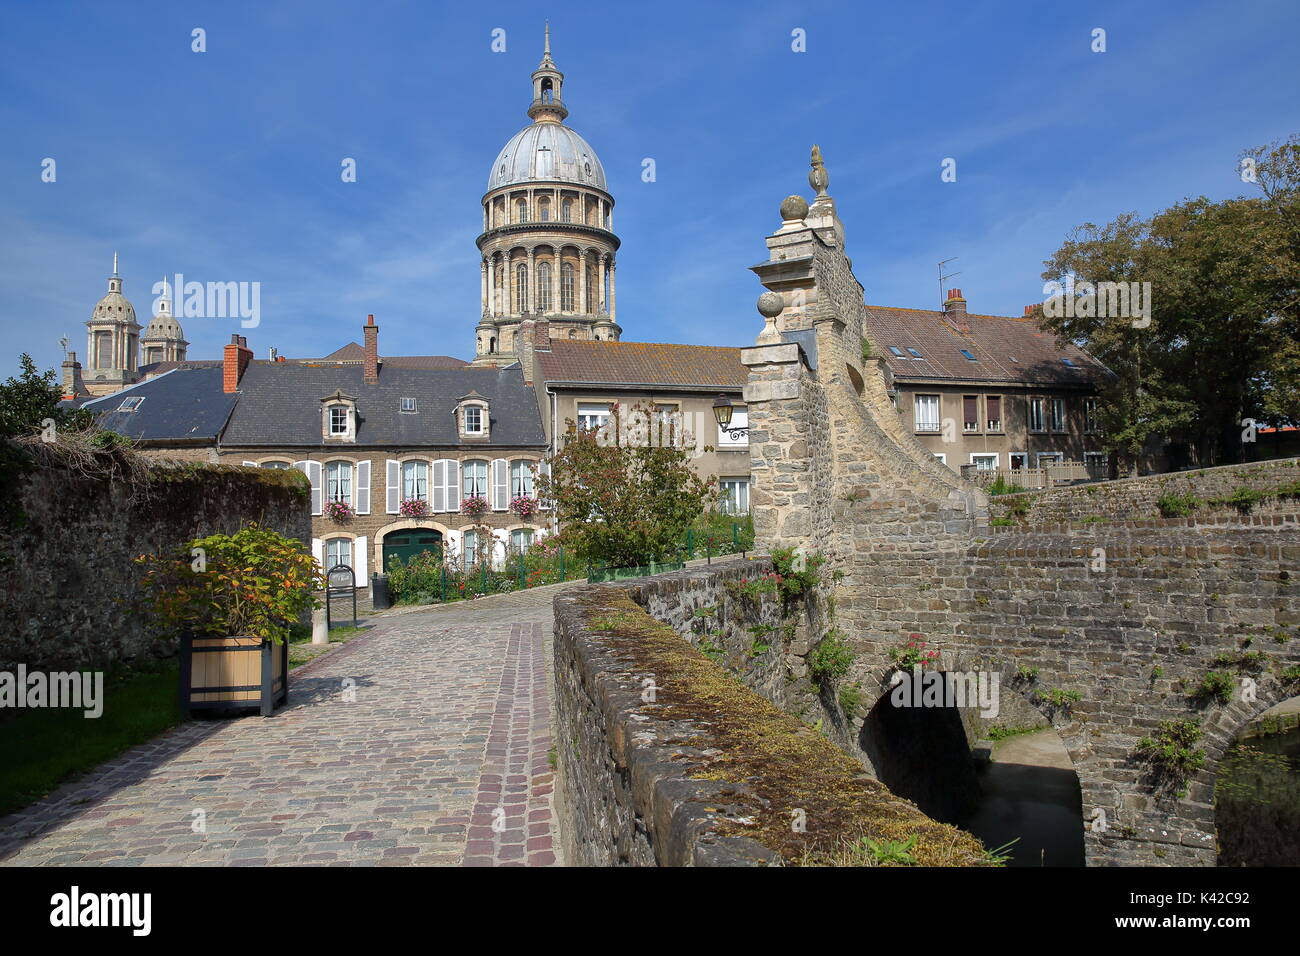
x=338, y=421
x=473, y=420
x=339, y=418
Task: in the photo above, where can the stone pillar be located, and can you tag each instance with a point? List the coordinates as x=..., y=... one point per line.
x=583, y=305
x=484, y=284
x=509, y=282
x=611, y=288
x=600, y=278
x=530, y=292
x=555, y=279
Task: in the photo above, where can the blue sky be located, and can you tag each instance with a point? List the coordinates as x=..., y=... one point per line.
x=225, y=165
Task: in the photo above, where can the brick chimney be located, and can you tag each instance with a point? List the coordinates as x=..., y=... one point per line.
x=524, y=348
x=542, y=337
x=73, y=385
x=954, y=308
x=235, y=360
x=371, y=369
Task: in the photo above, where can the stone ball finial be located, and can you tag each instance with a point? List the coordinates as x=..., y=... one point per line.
x=793, y=208
x=770, y=304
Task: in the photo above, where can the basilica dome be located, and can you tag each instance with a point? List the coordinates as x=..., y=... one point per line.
x=113, y=307
x=547, y=152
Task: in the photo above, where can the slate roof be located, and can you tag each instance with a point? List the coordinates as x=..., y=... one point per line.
x=353, y=352
x=1006, y=350
x=182, y=405
x=279, y=405
x=642, y=363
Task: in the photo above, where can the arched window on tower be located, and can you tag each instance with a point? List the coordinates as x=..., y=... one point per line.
x=521, y=288
x=548, y=94
x=566, y=287
x=543, y=287
x=566, y=211
x=499, y=293
x=544, y=209
x=593, y=294
x=521, y=210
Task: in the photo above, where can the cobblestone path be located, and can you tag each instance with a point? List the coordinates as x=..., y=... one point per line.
x=423, y=742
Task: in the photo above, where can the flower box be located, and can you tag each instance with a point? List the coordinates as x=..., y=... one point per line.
x=413, y=508
x=338, y=510
x=475, y=506
x=233, y=673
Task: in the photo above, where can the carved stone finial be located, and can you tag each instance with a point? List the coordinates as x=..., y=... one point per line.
x=794, y=208
x=817, y=178
x=771, y=304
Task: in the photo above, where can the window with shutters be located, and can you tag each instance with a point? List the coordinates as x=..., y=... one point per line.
x=521, y=539
x=338, y=551
x=735, y=496
x=338, y=481
x=1091, y=421
x=469, y=547
x=970, y=413
x=274, y=464
x=993, y=412
x=474, y=480
x=927, y=413
x=521, y=478
x=1058, y=414
x=1038, y=414
x=415, y=481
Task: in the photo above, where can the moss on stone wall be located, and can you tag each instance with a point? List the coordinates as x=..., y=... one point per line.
x=779, y=765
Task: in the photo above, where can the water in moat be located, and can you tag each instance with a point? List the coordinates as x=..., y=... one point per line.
x=1031, y=794
x=1257, y=796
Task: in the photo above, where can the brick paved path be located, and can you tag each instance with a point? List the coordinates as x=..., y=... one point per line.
x=425, y=741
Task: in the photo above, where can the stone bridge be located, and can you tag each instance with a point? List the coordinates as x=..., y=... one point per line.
x=1117, y=615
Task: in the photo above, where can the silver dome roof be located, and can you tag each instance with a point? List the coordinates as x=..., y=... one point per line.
x=547, y=152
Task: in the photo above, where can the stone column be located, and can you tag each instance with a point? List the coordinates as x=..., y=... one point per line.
x=611, y=288
x=509, y=282
x=483, y=283
x=600, y=277
x=583, y=305
x=555, y=279
x=530, y=292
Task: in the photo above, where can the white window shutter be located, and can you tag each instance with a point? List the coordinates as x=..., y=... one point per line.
x=500, y=484
x=394, y=487
x=438, y=486
x=363, y=487
x=312, y=470
x=318, y=552
x=453, y=485
x=359, y=562
x=250, y=464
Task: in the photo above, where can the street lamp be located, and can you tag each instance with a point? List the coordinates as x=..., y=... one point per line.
x=722, y=408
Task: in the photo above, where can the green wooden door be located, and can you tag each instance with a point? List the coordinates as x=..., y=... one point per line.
x=404, y=545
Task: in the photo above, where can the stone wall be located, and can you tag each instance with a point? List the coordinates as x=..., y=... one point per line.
x=70, y=566
x=667, y=759
x=1135, y=499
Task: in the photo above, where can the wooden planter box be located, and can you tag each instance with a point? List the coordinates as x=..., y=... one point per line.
x=233, y=673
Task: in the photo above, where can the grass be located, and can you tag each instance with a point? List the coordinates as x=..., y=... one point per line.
x=45, y=748
x=780, y=764
x=302, y=650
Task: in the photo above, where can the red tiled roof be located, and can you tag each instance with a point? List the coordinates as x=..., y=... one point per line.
x=1006, y=350
x=643, y=363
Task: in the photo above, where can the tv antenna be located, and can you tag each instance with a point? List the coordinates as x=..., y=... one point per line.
x=63, y=344
x=945, y=277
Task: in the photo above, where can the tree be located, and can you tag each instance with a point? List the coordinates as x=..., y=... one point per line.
x=625, y=494
x=1136, y=400
x=1223, y=341
x=30, y=399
